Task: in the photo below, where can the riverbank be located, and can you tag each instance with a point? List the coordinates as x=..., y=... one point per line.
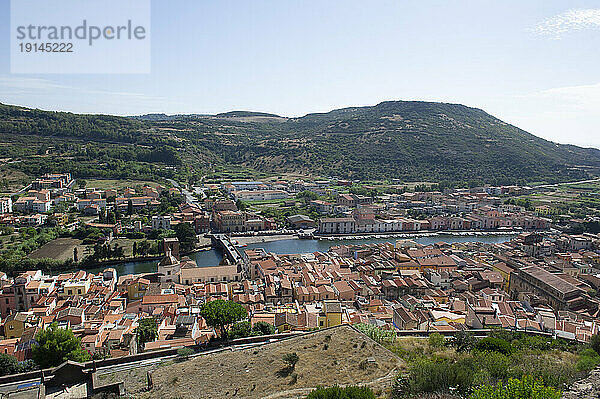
x=417, y=234
x=369, y=236
x=258, y=239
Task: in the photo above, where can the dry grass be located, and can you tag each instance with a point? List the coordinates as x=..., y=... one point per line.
x=60, y=248
x=334, y=356
x=104, y=184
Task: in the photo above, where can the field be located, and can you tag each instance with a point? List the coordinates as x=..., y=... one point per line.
x=577, y=199
x=127, y=245
x=328, y=357
x=11, y=180
x=60, y=248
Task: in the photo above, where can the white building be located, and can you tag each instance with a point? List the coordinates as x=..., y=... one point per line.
x=260, y=195
x=161, y=222
x=6, y=205
x=337, y=225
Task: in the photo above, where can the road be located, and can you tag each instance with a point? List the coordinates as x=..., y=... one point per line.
x=189, y=196
x=567, y=183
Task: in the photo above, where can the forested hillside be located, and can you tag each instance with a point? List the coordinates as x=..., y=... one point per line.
x=409, y=140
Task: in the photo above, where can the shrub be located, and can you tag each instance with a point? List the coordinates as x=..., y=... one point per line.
x=595, y=343
x=588, y=360
x=241, y=329
x=437, y=340
x=377, y=334
x=496, y=365
x=440, y=375
x=8, y=364
x=335, y=392
x=291, y=359
x=263, y=328
x=463, y=341
x=184, y=353
x=525, y=388
x=491, y=344
x=551, y=370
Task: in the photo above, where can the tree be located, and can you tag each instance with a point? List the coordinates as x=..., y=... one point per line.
x=463, y=341
x=55, y=346
x=130, y=207
x=8, y=364
x=147, y=331
x=81, y=183
x=263, y=328
x=241, y=329
x=493, y=344
x=135, y=249
x=118, y=251
x=75, y=255
x=437, y=340
x=241, y=205
x=186, y=235
x=220, y=313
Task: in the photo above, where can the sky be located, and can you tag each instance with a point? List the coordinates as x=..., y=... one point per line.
x=534, y=64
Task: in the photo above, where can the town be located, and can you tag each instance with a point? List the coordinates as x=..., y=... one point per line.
x=544, y=277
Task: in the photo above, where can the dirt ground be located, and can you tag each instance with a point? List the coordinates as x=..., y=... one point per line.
x=339, y=356
x=60, y=248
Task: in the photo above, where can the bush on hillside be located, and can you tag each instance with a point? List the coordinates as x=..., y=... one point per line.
x=525, y=388
x=595, y=343
x=491, y=344
x=352, y=392
x=240, y=329
x=184, y=353
x=438, y=375
x=588, y=360
x=437, y=340
x=463, y=341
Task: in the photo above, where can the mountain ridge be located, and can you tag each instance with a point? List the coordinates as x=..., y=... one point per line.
x=409, y=140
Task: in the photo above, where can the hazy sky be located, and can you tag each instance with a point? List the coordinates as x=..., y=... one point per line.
x=530, y=63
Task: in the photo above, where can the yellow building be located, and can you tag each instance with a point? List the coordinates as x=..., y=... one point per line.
x=545, y=210
x=137, y=288
x=505, y=272
x=331, y=314
x=15, y=325
x=76, y=288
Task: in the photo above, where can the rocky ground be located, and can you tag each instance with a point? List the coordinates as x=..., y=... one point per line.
x=340, y=356
x=588, y=388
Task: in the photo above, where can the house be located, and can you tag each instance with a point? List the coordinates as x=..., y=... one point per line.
x=323, y=207
x=192, y=274
x=301, y=222
x=331, y=315
x=15, y=324
x=403, y=319
x=337, y=225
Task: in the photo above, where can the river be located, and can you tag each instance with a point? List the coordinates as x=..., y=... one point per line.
x=293, y=246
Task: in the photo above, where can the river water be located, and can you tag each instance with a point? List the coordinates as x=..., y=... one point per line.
x=213, y=257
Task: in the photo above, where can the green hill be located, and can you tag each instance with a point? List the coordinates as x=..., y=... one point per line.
x=409, y=140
